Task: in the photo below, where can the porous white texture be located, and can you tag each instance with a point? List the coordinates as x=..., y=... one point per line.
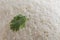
x=43, y=23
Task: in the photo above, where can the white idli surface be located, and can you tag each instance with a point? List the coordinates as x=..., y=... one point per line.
x=43, y=23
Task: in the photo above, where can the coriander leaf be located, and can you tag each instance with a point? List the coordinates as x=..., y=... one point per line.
x=18, y=22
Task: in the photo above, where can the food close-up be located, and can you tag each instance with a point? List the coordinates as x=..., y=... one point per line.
x=29, y=19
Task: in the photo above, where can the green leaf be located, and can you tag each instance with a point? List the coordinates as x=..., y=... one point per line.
x=18, y=22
